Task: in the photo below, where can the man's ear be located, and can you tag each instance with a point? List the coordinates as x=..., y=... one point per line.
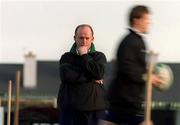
x=74, y=38
x=137, y=22
x=92, y=38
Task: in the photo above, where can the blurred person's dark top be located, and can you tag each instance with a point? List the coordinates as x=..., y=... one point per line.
x=127, y=90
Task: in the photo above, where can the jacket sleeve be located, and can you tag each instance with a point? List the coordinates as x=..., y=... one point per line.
x=132, y=62
x=94, y=65
x=70, y=73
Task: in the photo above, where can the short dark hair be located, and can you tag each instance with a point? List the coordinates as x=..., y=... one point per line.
x=137, y=12
x=84, y=25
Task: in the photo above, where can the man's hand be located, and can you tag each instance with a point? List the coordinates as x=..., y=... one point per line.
x=82, y=50
x=99, y=81
x=156, y=80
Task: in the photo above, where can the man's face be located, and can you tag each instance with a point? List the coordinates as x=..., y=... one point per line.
x=144, y=23
x=84, y=37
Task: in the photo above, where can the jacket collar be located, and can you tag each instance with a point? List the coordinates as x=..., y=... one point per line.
x=136, y=31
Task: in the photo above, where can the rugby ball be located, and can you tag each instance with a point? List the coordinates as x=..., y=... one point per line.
x=166, y=74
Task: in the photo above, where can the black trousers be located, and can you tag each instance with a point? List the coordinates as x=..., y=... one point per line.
x=80, y=117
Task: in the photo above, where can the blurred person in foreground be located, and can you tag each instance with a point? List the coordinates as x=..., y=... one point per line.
x=126, y=93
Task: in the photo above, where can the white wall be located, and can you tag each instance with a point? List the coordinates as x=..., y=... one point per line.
x=46, y=27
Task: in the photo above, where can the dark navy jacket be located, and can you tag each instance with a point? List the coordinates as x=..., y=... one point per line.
x=78, y=90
